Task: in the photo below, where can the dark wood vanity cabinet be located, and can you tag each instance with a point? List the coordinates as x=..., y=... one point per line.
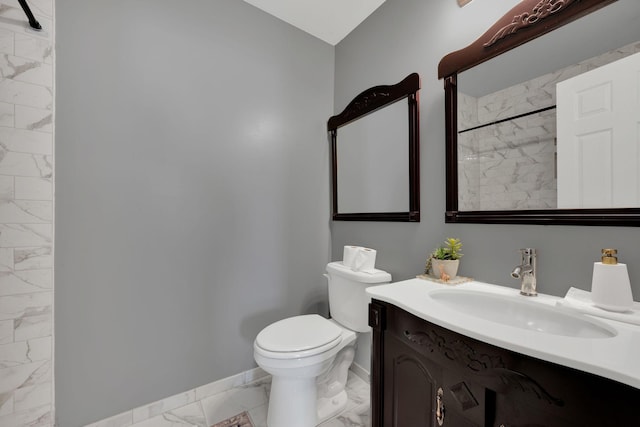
x=425, y=375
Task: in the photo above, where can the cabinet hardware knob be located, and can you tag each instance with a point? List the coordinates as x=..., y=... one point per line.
x=440, y=406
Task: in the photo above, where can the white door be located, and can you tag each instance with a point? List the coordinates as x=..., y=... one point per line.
x=598, y=115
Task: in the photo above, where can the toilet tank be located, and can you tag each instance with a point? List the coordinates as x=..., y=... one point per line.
x=348, y=301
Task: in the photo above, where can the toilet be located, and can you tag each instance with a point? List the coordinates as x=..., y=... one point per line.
x=309, y=356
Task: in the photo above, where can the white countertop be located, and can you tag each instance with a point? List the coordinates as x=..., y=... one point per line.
x=617, y=357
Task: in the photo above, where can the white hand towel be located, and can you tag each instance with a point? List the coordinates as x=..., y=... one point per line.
x=581, y=301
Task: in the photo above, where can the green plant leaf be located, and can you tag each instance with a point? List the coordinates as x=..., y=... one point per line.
x=450, y=249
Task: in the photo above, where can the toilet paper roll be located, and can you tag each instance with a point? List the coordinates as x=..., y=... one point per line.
x=349, y=255
x=365, y=260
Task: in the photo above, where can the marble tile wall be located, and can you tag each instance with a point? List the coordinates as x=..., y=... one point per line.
x=512, y=165
x=220, y=400
x=26, y=216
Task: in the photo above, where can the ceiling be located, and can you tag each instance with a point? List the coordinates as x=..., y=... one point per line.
x=328, y=20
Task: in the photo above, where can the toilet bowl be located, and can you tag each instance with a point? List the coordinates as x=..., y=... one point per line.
x=309, y=356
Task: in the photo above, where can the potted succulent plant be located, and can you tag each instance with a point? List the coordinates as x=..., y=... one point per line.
x=443, y=262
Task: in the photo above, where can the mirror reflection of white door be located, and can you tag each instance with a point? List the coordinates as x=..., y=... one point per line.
x=598, y=120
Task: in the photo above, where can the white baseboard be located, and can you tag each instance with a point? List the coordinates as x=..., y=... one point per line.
x=361, y=372
x=161, y=406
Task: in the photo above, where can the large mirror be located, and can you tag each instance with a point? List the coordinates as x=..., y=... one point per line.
x=503, y=155
x=375, y=160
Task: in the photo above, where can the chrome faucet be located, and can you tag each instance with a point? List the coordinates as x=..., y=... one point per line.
x=526, y=272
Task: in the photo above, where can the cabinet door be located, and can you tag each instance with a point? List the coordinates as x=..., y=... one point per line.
x=541, y=394
x=411, y=384
x=512, y=412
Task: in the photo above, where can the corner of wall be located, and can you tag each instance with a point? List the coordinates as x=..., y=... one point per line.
x=26, y=215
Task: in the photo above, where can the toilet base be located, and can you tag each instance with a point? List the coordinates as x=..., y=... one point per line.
x=292, y=402
x=332, y=396
x=301, y=408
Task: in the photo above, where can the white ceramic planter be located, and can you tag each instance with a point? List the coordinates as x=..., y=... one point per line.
x=448, y=266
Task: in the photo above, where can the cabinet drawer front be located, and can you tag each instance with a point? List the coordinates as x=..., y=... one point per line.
x=447, y=348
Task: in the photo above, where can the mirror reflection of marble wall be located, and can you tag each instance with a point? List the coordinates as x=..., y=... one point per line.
x=511, y=165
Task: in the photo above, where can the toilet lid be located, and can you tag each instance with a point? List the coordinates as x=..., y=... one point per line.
x=298, y=333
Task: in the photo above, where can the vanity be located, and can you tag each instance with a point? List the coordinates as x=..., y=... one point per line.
x=478, y=354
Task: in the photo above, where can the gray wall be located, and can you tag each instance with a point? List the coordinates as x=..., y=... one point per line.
x=192, y=201
x=404, y=36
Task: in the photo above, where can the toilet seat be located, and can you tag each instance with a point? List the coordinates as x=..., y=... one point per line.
x=298, y=336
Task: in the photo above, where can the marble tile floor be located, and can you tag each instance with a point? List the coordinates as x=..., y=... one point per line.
x=253, y=398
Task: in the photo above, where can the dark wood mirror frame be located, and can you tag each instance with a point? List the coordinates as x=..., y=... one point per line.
x=526, y=21
x=366, y=103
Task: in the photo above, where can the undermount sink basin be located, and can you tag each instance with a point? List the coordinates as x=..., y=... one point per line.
x=516, y=311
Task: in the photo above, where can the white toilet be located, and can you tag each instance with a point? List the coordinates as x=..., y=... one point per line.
x=309, y=356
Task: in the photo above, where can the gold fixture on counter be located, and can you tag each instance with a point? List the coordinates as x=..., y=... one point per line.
x=609, y=256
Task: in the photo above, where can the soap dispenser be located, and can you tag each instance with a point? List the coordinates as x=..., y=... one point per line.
x=610, y=285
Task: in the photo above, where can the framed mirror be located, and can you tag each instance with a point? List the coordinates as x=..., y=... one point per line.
x=375, y=166
x=500, y=100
